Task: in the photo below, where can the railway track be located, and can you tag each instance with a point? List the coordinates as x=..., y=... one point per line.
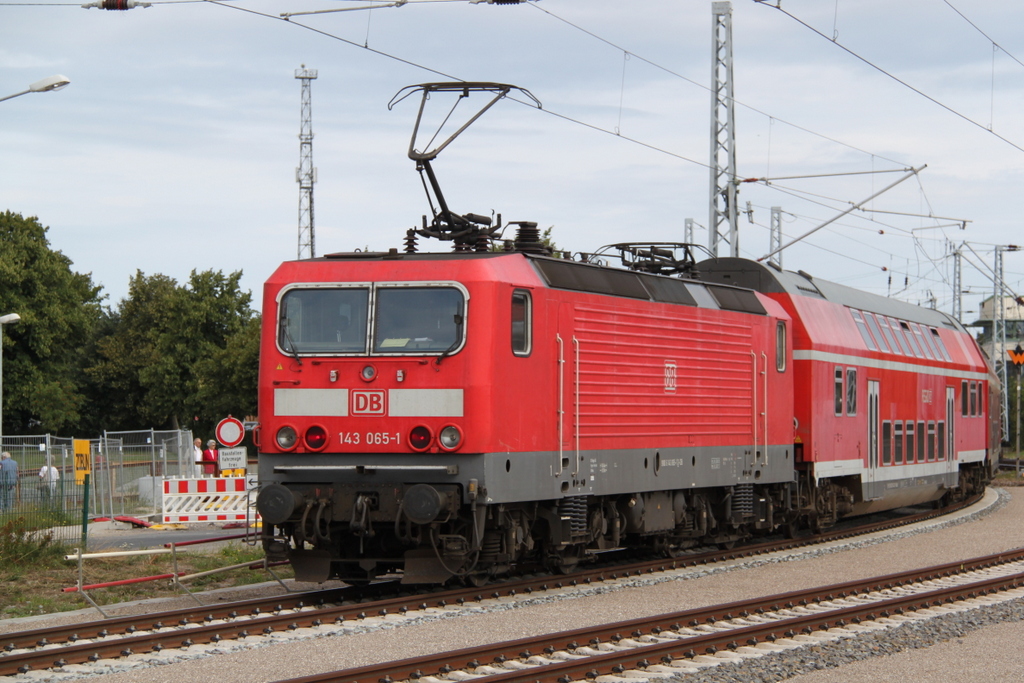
x=670, y=643
x=124, y=636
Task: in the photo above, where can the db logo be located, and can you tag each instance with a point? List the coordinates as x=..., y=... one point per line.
x=367, y=402
x=670, y=376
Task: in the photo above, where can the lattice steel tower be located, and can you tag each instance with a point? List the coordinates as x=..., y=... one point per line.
x=305, y=174
x=999, y=338
x=723, y=214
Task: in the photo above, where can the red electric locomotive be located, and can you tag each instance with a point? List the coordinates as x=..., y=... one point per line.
x=465, y=414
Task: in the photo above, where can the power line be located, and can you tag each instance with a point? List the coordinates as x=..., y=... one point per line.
x=892, y=76
x=705, y=87
x=987, y=37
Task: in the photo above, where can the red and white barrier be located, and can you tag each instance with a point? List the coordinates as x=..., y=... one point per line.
x=191, y=501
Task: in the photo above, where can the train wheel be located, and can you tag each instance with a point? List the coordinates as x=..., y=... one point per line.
x=568, y=559
x=478, y=580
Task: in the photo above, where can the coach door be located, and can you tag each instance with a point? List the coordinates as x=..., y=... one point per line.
x=872, y=429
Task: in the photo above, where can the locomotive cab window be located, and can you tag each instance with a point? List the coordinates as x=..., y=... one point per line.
x=418, y=320
x=522, y=314
x=323, y=320
x=780, y=346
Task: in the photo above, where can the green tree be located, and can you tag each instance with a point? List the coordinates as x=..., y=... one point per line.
x=179, y=356
x=124, y=351
x=59, y=309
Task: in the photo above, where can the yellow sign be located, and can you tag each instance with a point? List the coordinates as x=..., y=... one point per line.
x=83, y=460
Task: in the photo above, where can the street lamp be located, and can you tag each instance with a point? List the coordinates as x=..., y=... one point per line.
x=4, y=320
x=46, y=85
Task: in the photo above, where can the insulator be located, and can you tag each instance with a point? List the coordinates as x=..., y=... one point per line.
x=528, y=238
x=116, y=4
x=410, y=241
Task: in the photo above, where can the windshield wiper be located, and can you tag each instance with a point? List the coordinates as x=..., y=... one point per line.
x=458, y=338
x=288, y=338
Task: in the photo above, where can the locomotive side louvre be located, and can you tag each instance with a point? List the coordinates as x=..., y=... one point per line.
x=892, y=411
x=707, y=422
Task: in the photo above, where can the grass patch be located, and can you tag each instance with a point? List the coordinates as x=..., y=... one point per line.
x=33, y=571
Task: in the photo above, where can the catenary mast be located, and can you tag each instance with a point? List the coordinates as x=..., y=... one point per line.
x=722, y=224
x=305, y=174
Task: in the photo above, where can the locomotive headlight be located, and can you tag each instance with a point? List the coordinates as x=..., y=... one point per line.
x=420, y=438
x=450, y=438
x=316, y=438
x=287, y=438
x=368, y=373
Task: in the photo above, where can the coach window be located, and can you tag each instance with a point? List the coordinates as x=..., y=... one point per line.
x=929, y=341
x=883, y=322
x=859, y=319
x=851, y=391
x=886, y=442
x=910, y=441
x=921, y=438
x=839, y=391
x=780, y=346
x=926, y=349
x=963, y=398
x=974, y=399
x=931, y=441
x=941, y=440
x=873, y=324
x=897, y=437
x=897, y=332
x=521, y=318
x=909, y=334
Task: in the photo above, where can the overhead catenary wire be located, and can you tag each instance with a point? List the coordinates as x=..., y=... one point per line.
x=892, y=76
x=615, y=131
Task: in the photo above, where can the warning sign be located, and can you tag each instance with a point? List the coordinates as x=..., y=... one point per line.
x=231, y=458
x=83, y=460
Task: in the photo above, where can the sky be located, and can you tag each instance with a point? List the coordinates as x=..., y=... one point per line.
x=175, y=146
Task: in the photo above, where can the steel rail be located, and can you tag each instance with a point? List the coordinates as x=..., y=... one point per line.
x=676, y=647
x=198, y=624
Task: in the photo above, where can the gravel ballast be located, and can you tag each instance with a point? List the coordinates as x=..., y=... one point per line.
x=873, y=655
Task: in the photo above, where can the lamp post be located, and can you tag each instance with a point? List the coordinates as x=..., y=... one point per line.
x=4, y=320
x=46, y=85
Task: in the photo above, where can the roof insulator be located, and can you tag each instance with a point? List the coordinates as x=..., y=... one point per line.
x=116, y=4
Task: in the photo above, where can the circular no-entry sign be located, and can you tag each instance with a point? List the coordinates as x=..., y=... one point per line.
x=230, y=432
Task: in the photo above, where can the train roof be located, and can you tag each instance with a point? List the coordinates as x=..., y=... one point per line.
x=561, y=273
x=769, y=280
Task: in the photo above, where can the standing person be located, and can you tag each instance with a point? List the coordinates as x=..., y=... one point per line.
x=197, y=458
x=8, y=481
x=210, y=457
x=48, y=477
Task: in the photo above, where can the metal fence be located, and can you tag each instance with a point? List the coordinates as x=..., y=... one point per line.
x=128, y=469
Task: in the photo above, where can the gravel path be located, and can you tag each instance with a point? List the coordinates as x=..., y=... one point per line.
x=979, y=637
